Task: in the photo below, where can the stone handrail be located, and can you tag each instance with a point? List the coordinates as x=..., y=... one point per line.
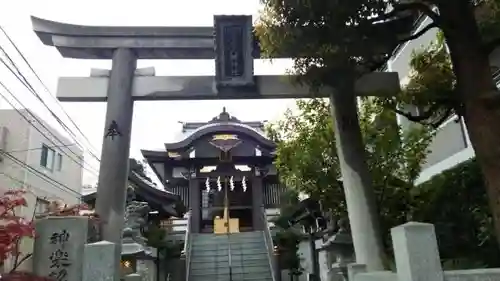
x=270, y=247
x=187, y=246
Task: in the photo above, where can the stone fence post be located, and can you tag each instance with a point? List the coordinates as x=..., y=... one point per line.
x=417, y=259
x=416, y=252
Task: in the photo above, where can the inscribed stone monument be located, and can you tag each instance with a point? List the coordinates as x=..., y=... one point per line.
x=59, y=247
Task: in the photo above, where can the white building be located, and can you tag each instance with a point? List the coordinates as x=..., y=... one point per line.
x=451, y=145
x=34, y=157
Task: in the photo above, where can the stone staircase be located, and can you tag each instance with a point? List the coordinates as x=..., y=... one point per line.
x=210, y=261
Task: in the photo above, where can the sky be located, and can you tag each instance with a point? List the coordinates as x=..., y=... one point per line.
x=155, y=122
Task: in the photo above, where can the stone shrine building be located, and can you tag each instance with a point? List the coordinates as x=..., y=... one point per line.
x=223, y=172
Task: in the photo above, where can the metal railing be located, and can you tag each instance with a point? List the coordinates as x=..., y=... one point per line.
x=187, y=247
x=229, y=258
x=268, y=238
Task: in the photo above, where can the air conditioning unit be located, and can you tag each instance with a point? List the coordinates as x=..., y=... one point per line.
x=4, y=133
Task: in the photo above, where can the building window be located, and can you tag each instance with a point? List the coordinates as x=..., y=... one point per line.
x=59, y=160
x=42, y=206
x=47, y=157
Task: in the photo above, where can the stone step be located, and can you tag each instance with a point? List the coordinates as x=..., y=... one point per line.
x=244, y=235
x=226, y=278
x=208, y=240
x=247, y=233
x=233, y=245
x=235, y=276
x=234, y=258
x=235, y=263
x=222, y=252
x=224, y=270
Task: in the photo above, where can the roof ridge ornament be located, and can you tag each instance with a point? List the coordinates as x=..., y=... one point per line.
x=224, y=116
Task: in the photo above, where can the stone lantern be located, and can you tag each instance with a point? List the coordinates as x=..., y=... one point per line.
x=340, y=252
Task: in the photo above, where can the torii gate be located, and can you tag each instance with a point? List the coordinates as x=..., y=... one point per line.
x=231, y=43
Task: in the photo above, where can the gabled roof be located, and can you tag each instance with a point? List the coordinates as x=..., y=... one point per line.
x=223, y=123
x=166, y=203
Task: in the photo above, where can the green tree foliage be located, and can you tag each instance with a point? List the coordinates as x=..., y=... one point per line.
x=157, y=238
x=454, y=202
x=431, y=86
x=287, y=239
x=332, y=39
x=336, y=41
x=307, y=160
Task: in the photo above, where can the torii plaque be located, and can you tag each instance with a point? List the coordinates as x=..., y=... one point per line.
x=233, y=50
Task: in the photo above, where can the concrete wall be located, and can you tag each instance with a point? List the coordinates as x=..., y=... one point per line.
x=24, y=142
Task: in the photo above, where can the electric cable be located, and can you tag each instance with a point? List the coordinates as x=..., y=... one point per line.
x=30, y=88
x=41, y=123
x=39, y=98
x=29, y=185
x=41, y=175
x=47, y=89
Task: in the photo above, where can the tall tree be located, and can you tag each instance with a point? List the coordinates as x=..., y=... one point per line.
x=308, y=163
x=331, y=38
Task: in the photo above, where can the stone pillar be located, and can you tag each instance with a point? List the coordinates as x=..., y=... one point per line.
x=195, y=205
x=99, y=261
x=357, y=180
x=113, y=171
x=257, y=203
x=416, y=252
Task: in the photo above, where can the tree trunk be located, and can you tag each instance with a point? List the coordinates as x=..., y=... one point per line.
x=479, y=95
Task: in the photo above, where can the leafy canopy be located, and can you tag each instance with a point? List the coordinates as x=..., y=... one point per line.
x=307, y=158
x=331, y=41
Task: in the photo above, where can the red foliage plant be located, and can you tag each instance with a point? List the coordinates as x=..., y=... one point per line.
x=13, y=228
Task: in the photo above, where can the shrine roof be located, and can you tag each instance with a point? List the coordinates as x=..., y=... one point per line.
x=223, y=123
x=167, y=203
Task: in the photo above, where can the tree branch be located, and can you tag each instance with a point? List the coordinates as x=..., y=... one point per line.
x=420, y=33
x=419, y=7
x=429, y=113
x=19, y=262
x=418, y=118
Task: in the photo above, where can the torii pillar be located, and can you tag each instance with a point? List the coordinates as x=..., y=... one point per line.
x=234, y=80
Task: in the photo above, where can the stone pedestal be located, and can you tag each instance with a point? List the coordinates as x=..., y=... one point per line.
x=99, y=261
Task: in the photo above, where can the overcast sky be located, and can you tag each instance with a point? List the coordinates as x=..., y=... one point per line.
x=154, y=122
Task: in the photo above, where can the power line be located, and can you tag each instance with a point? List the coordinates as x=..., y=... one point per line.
x=23, y=183
x=30, y=88
x=41, y=175
x=46, y=88
x=41, y=123
x=38, y=148
x=16, y=72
